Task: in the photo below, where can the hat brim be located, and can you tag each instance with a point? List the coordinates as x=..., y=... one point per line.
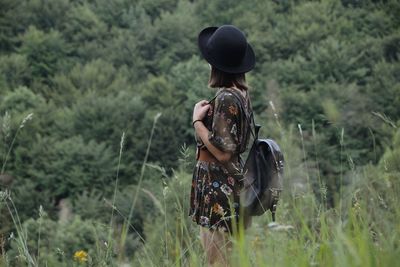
x=246, y=65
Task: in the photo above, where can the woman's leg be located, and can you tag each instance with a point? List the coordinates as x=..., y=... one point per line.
x=216, y=245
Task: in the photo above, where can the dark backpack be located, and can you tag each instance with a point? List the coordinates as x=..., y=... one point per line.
x=262, y=172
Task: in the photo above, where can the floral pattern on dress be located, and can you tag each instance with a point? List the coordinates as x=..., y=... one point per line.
x=215, y=191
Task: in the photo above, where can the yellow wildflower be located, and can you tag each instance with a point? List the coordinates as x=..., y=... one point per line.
x=81, y=256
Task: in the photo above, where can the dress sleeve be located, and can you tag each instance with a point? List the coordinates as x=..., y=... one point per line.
x=224, y=131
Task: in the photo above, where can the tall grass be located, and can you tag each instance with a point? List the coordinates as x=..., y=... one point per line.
x=6, y=199
x=363, y=230
x=307, y=234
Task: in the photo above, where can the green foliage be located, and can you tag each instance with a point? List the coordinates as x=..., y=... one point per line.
x=326, y=85
x=60, y=170
x=55, y=243
x=14, y=71
x=21, y=100
x=390, y=161
x=46, y=14
x=83, y=25
x=172, y=37
x=155, y=8
x=11, y=24
x=45, y=52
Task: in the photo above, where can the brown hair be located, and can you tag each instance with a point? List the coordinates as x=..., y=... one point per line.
x=219, y=78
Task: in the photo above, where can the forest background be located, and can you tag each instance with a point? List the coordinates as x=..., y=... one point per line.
x=96, y=99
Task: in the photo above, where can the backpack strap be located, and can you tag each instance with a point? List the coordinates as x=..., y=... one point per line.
x=249, y=118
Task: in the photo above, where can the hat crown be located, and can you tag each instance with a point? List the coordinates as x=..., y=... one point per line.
x=228, y=44
x=226, y=49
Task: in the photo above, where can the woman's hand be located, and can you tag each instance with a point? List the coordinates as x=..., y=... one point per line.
x=200, y=110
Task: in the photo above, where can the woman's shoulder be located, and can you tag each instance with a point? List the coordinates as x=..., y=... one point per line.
x=228, y=95
x=231, y=96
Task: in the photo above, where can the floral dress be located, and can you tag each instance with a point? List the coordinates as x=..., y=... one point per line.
x=215, y=191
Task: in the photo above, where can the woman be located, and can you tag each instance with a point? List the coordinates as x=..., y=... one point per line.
x=222, y=134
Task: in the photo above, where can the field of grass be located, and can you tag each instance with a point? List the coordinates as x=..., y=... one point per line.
x=362, y=229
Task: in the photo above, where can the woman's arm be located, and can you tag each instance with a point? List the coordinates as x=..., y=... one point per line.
x=203, y=133
x=199, y=111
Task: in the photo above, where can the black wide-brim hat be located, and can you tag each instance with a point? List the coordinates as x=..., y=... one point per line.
x=227, y=49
